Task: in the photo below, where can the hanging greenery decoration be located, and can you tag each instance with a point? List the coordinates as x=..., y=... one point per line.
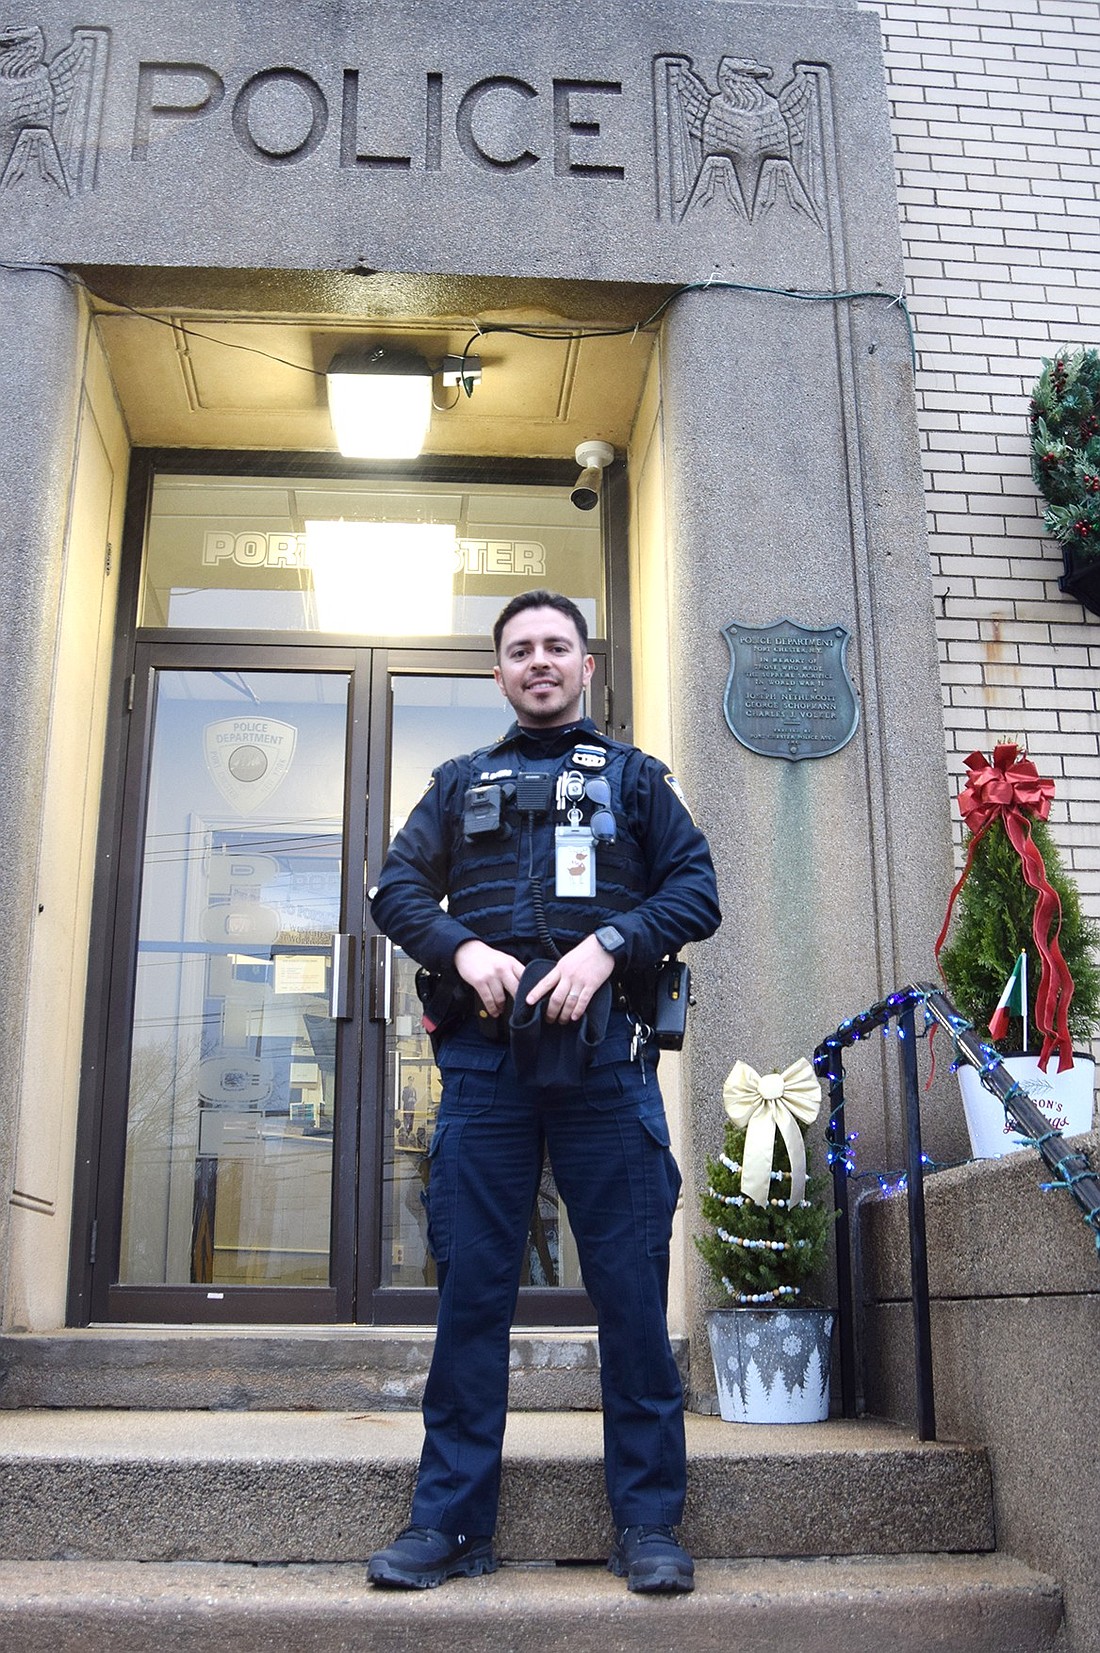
x=1065, y=449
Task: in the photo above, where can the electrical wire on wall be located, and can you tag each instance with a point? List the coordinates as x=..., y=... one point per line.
x=549, y=333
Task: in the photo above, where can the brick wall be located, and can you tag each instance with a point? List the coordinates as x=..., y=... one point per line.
x=996, y=119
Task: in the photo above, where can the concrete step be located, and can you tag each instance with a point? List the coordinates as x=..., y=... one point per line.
x=331, y=1487
x=956, y=1604
x=345, y=1368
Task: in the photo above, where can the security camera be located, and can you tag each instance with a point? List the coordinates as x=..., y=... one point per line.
x=592, y=457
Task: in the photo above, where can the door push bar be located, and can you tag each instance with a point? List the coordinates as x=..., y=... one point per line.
x=340, y=980
x=381, y=979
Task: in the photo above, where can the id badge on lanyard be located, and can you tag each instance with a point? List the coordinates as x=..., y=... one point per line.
x=574, y=861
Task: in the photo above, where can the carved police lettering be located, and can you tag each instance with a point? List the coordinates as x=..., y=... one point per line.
x=499, y=117
x=350, y=154
x=433, y=125
x=280, y=116
x=200, y=90
x=569, y=125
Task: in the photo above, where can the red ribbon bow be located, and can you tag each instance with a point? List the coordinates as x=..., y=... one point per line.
x=1010, y=789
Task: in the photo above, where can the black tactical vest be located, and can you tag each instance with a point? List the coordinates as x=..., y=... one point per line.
x=502, y=885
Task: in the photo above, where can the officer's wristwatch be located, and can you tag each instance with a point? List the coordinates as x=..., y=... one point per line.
x=611, y=941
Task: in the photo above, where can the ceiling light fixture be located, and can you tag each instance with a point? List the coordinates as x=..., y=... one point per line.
x=380, y=401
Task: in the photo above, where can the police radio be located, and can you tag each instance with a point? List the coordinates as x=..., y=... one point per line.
x=483, y=805
x=673, y=999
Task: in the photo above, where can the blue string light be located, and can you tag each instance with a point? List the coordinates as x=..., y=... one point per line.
x=939, y=1011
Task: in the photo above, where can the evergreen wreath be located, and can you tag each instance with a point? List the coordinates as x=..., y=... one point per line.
x=761, y=1254
x=1065, y=449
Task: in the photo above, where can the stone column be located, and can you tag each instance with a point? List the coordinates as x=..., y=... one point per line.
x=794, y=491
x=40, y=348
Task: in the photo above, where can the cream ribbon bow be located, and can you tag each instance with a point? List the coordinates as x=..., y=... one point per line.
x=764, y=1104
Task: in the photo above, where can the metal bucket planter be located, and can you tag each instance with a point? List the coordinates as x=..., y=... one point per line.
x=1065, y=1099
x=772, y=1365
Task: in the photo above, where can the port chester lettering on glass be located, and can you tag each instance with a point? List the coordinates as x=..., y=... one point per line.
x=788, y=694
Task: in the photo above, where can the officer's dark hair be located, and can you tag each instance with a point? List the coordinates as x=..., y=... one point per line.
x=540, y=599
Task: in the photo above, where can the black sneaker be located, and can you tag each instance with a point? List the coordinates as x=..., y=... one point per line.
x=422, y=1557
x=649, y=1558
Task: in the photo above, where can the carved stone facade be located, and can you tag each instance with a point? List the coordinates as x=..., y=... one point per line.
x=738, y=154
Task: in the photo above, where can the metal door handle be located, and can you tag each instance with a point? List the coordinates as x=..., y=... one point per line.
x=339, y=1001
x=381, y=979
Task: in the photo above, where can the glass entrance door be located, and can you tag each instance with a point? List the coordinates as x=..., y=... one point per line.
x=236, y=1023
x=269, y=1093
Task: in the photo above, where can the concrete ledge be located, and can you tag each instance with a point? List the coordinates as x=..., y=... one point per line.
x=992, y=1232
x=332, y=1369
x=988, y=1605
x=290, y=1487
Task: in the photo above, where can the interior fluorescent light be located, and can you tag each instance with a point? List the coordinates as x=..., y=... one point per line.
x=387, y=579
x=380, y=401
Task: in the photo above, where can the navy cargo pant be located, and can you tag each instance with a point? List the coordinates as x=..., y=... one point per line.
x=609, y=1147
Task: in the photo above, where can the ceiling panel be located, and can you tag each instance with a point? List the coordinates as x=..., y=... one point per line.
x=191, y=380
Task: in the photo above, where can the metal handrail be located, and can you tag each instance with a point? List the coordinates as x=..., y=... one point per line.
x=1072, y=1169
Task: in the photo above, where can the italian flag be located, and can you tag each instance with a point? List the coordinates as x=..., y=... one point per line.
x=1013, y=1002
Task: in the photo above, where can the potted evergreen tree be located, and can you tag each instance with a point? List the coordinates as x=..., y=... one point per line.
x=767, y=1236
x=1018, y=923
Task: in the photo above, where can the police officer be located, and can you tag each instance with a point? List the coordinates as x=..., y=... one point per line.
x=571, y=867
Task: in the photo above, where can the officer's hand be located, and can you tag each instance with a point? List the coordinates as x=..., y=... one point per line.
x=494, y=976
x=573, y=980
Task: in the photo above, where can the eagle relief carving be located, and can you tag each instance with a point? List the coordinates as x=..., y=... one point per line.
x=50, y=108
x=738, y=142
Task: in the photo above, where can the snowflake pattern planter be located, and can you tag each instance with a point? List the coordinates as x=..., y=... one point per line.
x=772, y=1365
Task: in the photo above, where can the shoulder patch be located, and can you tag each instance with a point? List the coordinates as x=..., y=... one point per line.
x=674, y=786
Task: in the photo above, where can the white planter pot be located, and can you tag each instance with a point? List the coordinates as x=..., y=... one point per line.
x=771, y=1365
x=1064, y=1098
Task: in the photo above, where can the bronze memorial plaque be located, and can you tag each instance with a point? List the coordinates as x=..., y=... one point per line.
x=788, y=694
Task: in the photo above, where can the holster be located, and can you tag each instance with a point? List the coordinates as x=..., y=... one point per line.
x=445, y=1000
x=447, y=1003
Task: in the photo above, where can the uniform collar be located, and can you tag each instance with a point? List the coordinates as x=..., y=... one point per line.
x=549, y=743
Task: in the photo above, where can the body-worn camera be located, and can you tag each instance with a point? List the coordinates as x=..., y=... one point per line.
x=481, y=810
